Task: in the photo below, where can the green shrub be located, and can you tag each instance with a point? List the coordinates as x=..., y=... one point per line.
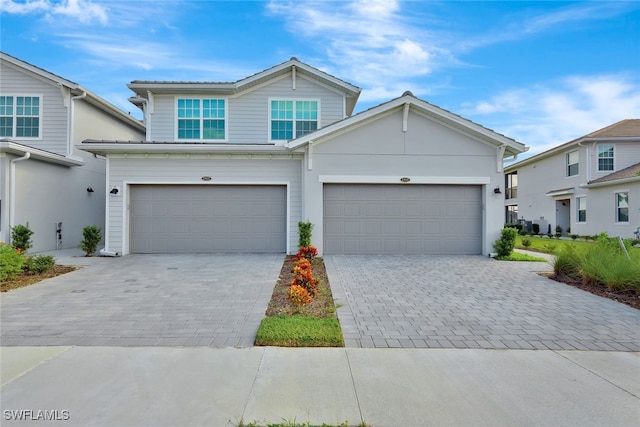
x=39, y=263
x=505, y=244
x=606, y=263
x=304, y=231
x=568, y=262
x=21, y=237
x=526, y=242
x=91, y=238
x=574, y=236
x=11, y=262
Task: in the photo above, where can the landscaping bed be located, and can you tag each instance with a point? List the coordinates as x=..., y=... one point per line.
x=27, y=278
x=313, y=325
x=630, y=297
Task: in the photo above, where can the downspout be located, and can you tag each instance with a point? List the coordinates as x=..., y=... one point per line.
x=12, y=188
x=71, y=114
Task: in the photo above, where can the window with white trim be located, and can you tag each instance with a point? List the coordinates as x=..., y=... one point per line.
x=289, y=119
x=622, y=207
x=572, y=163
x=605, y=157
x=581, y=209
x=201, y=119
x=20, y=116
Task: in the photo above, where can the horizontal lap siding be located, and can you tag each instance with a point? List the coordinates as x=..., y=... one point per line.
x=53, y=111
x=248, y=113
x=180, y=169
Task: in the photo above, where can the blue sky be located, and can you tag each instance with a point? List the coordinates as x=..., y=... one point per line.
x=540, y=72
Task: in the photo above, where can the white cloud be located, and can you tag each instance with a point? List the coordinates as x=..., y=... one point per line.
x=83, y=10
x=545, y=115
x=369, y=42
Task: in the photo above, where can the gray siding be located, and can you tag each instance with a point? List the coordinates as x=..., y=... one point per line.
x=53, y=114
x=185, y=169
x=625, y=153
x=247, y=115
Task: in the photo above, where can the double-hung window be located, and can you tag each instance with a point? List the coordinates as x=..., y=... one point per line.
x=581, y=209
x=20, y=116
x=572, y=163
x=622, y=207
x=201, y=119
x=291, y=119
x=605, y=157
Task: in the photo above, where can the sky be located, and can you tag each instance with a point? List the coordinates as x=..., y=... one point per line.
x=540, y=72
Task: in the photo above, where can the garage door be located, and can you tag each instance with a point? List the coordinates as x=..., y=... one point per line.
x=402, y=219
x=207, y=218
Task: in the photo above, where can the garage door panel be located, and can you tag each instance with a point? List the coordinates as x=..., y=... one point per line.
x=371, y=218
x=207, y=219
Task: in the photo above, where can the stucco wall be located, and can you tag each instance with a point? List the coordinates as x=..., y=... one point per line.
x=428, y=152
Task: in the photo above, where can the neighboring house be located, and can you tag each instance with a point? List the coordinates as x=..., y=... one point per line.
x=233, y=167
x=44, y=179
x=588, y=185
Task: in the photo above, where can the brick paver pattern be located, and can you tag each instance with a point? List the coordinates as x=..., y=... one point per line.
x=145, y=300
x=471, y=302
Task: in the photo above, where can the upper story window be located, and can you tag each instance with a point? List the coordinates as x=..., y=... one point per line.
x=605, y=157
x=622, y=207
x=511, y=185
x=20, y=116
x=201, y=119
x=572, y=163
x=291, y=119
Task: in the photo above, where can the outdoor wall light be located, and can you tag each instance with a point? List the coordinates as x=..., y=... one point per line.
x=89, y=190
x=497, y=190
x=114, y=190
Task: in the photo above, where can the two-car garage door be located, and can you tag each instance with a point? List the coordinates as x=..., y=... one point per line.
x=207, y=218
x=402, y=219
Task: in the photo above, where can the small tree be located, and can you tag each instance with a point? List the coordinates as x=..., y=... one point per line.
x=505, y=244
x=91, y=238
x=21, y=237
x=304, y=231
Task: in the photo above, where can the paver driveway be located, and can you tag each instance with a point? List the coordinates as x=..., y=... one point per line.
x=471, y=302
x=139, y=300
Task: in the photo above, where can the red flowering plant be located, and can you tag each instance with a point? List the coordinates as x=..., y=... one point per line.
x=307, y=252
x=299, y=296
x=304, y=277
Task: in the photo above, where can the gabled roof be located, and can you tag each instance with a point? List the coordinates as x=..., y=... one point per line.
x=75, y=89
x=623, y=130
x=351, y=92
x=447, y=118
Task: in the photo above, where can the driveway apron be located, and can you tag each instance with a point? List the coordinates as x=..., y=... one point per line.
x=145, y=300
x=471, y=302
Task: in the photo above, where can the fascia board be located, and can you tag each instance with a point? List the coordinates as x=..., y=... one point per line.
x=169, y=148
x=37, y=154
x=629, y=180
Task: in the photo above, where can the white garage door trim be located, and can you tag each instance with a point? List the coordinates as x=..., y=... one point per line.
x=377, y=179
x=347, y=209
x=126, y=194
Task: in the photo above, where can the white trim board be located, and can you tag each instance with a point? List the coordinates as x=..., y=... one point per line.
x=397, y=179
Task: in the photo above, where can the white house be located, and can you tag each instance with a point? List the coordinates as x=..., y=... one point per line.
x=233, y=167
x=44, y=179
x=587, y=186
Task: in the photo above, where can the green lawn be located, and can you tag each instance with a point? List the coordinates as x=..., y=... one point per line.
x=517, y=256
x=300, y=331
x=553, y=246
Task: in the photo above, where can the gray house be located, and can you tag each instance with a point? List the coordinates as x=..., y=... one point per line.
x=233, y=167
x=44, y=179
x=588, y=185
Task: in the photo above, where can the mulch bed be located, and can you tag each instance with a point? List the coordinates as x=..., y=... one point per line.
x=630, y=297
x=27, y=278
x=322, y=304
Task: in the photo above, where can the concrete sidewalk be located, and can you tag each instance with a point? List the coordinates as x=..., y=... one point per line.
x=187, y=386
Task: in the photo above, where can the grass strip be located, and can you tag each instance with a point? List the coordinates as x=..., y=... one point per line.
x=299, y=331
x=517, y=256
